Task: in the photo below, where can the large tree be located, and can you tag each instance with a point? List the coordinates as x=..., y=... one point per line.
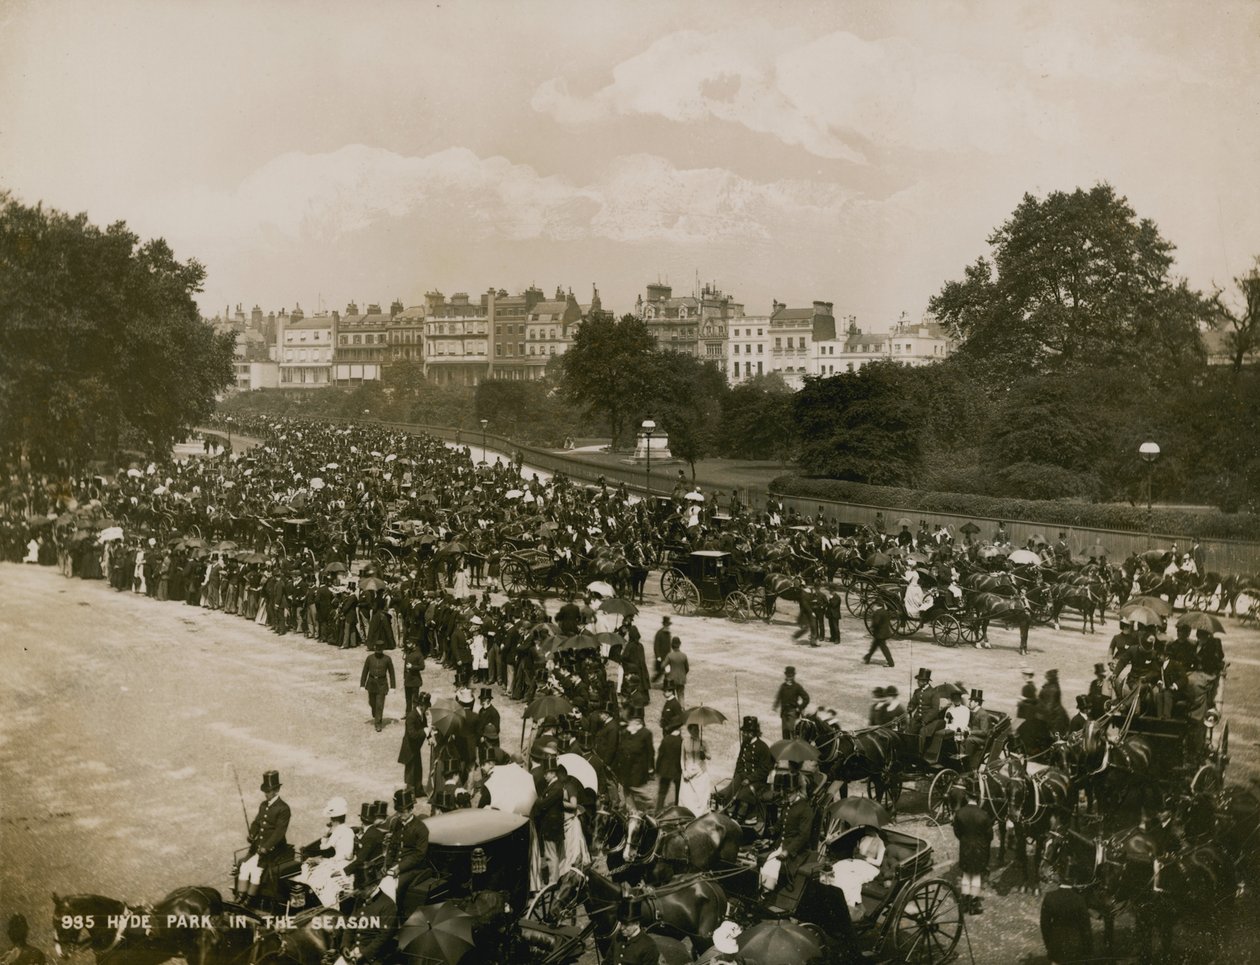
x=101, y=342
x=1242, y=323
x=757, y=420
x=685, y=397
x=606, y=367
x=1075, y=279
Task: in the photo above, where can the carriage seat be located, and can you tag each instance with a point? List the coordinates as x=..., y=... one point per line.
x=898, y=851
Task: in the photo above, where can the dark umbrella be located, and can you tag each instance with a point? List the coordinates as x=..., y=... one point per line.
x=437, y=933
x=968, y=528
x=546, y=529
x=444, y=716
x=779, y=942
x=704, y=716
x=876, y=560
x=792, y=749
x=618, y=605
x=1155, y=557
x=372, y=583
x=548, y=705
x=855, y=811
x=1156, y=603
x=336, y=566
x=579, y=641
x=1197, y=620
x=426, y=498
x=453, y=548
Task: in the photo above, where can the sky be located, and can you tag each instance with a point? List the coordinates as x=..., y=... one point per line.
x=858, y=153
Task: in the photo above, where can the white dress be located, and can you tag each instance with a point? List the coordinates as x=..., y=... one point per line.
x=696, y=788
x=327, y=878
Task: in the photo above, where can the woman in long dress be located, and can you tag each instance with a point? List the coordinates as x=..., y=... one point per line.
x=696, y=787
x=576, y=853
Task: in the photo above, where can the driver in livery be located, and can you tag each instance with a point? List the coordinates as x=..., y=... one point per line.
x=267, y=844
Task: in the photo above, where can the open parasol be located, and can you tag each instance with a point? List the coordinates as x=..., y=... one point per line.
x=903, y=521
x=694, y=497
x=617, y=605
x=512, y=789
x=858, y=811
x=792, y=749
x=444, y=717
x=1025, y=558
x=1143, y=615
x=1198, y=620
x=437, y=933
x=513, y=494
x=336, y=566
x=969, y=527
x=548, y=705
x=602, y=588
x=780, y=941
x=372, y=583
x=1156, y=603
x=579, y=767
x=579, y=641
x=111, y=534
x=251, y=557
x=704, y=716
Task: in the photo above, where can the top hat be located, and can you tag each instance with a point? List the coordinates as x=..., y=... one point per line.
x=923, y=674
x=665, y=621
x=380, y=810
x=977, y=696
x=1100, y=668
x=424, y=699
x=270, y=782
x=629, y=910
x=404, y=799
x=487, y=693
x=789, y=671
x=636, y=713
x=751, y=725
x=365, y=811
x=784, y=781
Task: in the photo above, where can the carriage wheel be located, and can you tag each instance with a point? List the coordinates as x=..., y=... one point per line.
x=946, y=630
x=926, y=922
x=1039, y=611
x=551, y=908
x=762, y=604
x=842, y=579
x=567, y=584
x=855, y=597
x=904, y=624
x=669, y=583
x=686, y=597
x=737, y=606
x=969, y=632
x=1206, y=780
x=514, y=578
x=939, y=808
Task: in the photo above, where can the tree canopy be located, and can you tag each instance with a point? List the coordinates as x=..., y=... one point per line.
x=1075, y=279
x=605, y=369
x=101, y=342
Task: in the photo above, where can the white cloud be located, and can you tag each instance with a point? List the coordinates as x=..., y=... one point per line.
x=639, y=198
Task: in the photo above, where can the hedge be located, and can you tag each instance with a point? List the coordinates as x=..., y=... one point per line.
x=1208, y=525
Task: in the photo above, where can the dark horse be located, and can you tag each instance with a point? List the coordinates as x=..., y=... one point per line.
x=704, y=844
x=687, y=908
x=1086, y=598
x=864, y=755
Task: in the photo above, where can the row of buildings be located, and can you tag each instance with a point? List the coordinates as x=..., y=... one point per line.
x=459, y=340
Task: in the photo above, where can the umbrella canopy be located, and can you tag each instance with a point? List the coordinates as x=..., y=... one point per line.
x=988, y=552
x=1025, y=558
x=372, y=583
x=917, y=557
x=134, y=473
x=111, y=534
x=1156, y=603
x=444, y=717
x=225, y=546
x=579, y=767
x=437, y=933
x=252, y=557
x=602, y=588
x=1144, y=615
x=548, y=705
x=391, y=457
x=968, y=527
x=876, y=560
x=694, y=497
x=453, y=548
x=512, y=788
x=1156, y=557
x=194, y=542
x=616, y=605
x=426, y=498
x=947, y=690
x=792, y=749
x=546, y=529
x=903, y=521
x=336, y=566
x=859, y=811
x=779, y=942
x=513, y=494
x=579, y=641
x=1198, y=620
x=316, y=483
x=704, y=716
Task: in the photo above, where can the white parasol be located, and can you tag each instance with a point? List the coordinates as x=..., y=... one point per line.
x=512, y=789
x=578, y=766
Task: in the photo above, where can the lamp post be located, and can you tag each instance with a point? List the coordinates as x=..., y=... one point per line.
x=1149, y=451
x=228, y=421
x=648, y=428
x=484, y=456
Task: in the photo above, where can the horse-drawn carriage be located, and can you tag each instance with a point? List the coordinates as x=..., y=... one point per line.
x=710, y=580
x=531, y=570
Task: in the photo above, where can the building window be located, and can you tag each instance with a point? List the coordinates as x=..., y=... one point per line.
x=520, y=348
x=734, y=349
x=802, y=345
x=759, y=352
x=551, y=350
x=759, y=368
x=498, y=350
x=759, y=333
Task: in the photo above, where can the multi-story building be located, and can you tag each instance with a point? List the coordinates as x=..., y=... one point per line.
x=549, y=330
x=718, y=312
x=362, y=344
x=304, y=349
x=253, y=367
x=783, y=342
x=748, y=347
x=673, y=321
x=909, y=343
x=509, y=317
x=406, y=333
x=456, y=339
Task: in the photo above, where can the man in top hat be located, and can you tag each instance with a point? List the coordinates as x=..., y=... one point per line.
x=981, y=728
x=672, y=713
x=797, y=827
x=548, y=815
x=881, y=633
x=370, y=849
x=633, y=659
x=378, y=679
x=1097, y=698
x=413, y=675
x=633, y=760
x=1062, y=552
x=607, y=736
x=790, y=701
x=1027, y=707
x=669, y=767
x=407, y=847
x=660, y=647
x=267, y=844
x=374, y=942
x=415, y=733
x=632, y=945
x=953, y=722
x=487, y=714
x=922, y=701
x=753, y=765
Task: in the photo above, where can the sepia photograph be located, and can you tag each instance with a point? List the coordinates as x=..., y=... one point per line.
x=629, y=482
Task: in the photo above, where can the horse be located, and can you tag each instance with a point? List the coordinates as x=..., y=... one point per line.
x=688, y=908
x=864, y=755
x=1037, y=802
x=1085, y=599
x=704, y=844
x=609, y=563
x=987, y=606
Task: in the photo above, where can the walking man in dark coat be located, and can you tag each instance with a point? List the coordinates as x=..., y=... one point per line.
x=413, y=675
x=881, y=633
x=660, y=648
x=633, y=659
x=668, y=768
x=378, y=679
x=790, y=701
x=633, y=760
x=415, y=732
x=973, y=827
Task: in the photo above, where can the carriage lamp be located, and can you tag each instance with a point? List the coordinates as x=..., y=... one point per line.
x=479, y=860
x=648, y=428
x=1149, y=451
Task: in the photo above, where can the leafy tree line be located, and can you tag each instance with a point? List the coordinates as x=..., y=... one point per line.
x=101, y=342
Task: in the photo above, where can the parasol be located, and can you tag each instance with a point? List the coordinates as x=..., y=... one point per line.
x=1198, y=620
x=1156, y=557
x=391, y=457
x=332, y=465
x=903, y=521
x=602, y=588
x=1143, y=615
x=548, y=705
x=792, y=749
x=225, y=546
x=453, y=548
x=253, y=558
x=579, y=767
x=336, y=566
x=1156, y=603
x=780, y=941
x=372, y=583
x=615, y=605
x=546, y=529
x=426, y=498
x=1037, y=539
x=704, y=716
x=134, y=473
x=694, y=497
x=512, y=788
x=858, y=811
x=444, y=717
x=877, y=559
x=947, y=690
x=1025, y=558
x=579, y=641
x=111, y=534
x=316, y=483
x=513, y=494
x=968, y=527
x=437, y=933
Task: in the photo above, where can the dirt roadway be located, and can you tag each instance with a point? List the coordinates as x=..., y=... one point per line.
x=123, y=719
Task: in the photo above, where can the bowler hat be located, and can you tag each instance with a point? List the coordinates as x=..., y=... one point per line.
x=890, y=692
x=880, y=692
x=270, y=782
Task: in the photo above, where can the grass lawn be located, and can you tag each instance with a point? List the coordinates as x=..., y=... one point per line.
x=710, y=473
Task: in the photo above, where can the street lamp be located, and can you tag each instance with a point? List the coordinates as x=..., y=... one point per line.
x=484, y=455
x=228, y=420
x=1149, y=451
x=648, y=428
